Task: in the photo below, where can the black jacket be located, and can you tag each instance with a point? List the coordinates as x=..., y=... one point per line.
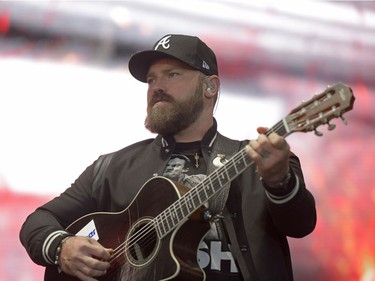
x=257, y=224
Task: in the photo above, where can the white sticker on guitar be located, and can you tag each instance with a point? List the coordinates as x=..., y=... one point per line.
x=89, y=230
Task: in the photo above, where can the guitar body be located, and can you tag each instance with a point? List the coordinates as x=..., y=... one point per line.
x=140, y=255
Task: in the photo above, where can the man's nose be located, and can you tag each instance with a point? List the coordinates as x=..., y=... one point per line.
x=157, y=85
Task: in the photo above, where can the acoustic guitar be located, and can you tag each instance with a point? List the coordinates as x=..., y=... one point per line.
x=159, y=240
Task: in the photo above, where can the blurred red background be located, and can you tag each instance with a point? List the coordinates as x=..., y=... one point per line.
x=265, y=51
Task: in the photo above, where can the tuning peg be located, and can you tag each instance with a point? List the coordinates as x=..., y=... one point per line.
x=319, y=134
x=344, y=120
x=331, y=126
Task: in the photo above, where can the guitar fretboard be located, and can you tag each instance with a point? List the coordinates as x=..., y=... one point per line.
x=180, y=210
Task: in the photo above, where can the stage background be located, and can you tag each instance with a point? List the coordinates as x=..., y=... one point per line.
x=66, y=97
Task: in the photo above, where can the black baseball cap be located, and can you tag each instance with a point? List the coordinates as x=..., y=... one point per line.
x=188, y=49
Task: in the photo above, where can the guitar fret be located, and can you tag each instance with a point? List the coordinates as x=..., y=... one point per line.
x=179, y=211
x=281, y=128
x=219, y=177
x=196, y=190
x=184, y=207
x=235, y=163
x=190, y=203
x=174, y=215
x=228, y=170
x=160, y=226
x=209, y=190
x=231, y=174
x=240, y=162
x=245, y=158
x=168, y=219
x=215, y=182
x=203, y=195
x=284, y=129
x=204, y=189
x=227, y=174
x=163, y=222
x=200, y=198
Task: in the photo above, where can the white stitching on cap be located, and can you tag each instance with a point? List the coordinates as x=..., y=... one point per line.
x=205, y=65
x=164, y=42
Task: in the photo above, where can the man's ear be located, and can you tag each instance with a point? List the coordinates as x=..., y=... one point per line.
x=213, y=85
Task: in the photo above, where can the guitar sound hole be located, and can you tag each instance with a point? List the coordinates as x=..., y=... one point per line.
x=142, y=243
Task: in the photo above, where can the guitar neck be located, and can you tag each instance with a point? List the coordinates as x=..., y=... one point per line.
x=197, y=196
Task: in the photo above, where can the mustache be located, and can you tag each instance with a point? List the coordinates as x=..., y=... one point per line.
x=160, y=96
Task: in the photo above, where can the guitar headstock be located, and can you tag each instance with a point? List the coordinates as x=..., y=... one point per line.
x=332, y=103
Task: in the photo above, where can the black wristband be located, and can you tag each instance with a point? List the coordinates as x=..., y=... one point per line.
x=64, y=237
x=282, y=187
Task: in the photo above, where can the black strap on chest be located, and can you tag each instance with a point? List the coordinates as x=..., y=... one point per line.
x=224, y=224
x=100, y=168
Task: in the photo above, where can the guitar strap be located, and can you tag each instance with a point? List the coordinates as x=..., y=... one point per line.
x=100, y=168
x=235, y=247
x=225, y=148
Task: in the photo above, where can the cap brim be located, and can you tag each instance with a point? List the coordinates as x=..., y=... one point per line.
x=140, y=63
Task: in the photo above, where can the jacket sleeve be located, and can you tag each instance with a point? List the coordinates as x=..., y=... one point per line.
x=295, y=214
x=44, y=229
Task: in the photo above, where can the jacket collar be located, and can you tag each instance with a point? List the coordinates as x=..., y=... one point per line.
x=168, y=142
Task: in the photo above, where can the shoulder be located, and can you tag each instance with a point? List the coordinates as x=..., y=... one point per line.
x=137, y=145
x=133, y=149
x=226, y=141
x=219, y=135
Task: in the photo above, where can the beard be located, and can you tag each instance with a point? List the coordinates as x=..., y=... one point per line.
x=169, y=120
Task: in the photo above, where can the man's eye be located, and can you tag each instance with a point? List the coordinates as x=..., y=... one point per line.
x=173, y=74
x=150, y=81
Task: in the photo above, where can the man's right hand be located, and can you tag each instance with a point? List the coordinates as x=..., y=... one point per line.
x=84, y=258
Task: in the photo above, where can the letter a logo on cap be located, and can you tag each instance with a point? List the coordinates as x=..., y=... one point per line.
x=164, y=42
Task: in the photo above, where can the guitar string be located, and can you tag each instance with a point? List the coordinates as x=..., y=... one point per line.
x=149, y=227
x=113, y=271
x=121, y=250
